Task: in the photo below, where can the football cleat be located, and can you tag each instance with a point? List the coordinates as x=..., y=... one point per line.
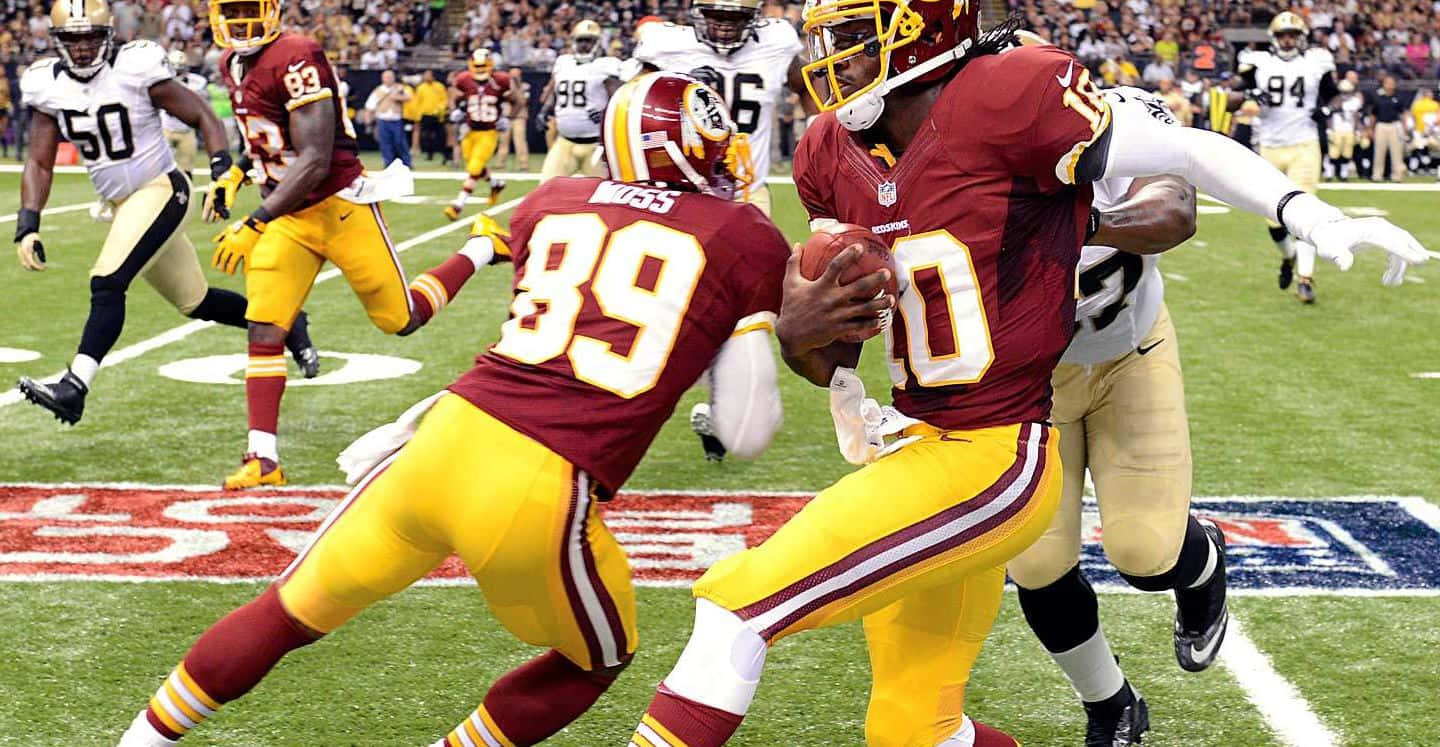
x=301, y=348
x=1287, y=273
x=452, y=211
x=496, y=187
x=65, y=398
x=254, y=472
x=1197, y=640
x=700, y=423
x=1305, y=290
x=1117, y=721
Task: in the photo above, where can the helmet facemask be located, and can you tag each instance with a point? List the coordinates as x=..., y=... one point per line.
x=585, y=47
x=1291, y=50
x=84, y=51
x=245, y=26
x=725, y=28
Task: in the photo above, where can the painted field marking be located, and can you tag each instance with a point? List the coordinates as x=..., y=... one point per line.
x=175, y=334
x=1282, y=707
x=18, y=355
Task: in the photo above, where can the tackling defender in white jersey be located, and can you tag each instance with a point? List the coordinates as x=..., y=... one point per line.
x=108, y=101
x=179, y=135
x=746, y=58
x=1290, y=82
x=580, y=86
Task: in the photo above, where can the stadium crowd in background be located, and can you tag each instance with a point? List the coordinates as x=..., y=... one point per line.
x=1178, y=48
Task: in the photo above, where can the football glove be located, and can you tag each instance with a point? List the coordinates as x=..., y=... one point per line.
x=27, y=240
x=487, y=231
x=32, y=252
x=234, y=244
x=221, y=194
x=1338, y=241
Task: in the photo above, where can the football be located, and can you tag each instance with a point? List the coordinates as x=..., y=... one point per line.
x=823, y=245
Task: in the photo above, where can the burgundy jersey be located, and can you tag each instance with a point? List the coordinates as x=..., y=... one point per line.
x=265, y=87
x=623, y=296
x=986, y=225
x=482, y=100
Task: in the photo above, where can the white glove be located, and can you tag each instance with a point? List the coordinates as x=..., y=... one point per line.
x=1338, y=241
x=365, y=452
x=31, y=251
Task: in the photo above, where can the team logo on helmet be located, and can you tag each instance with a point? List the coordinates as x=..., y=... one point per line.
x=707, y=112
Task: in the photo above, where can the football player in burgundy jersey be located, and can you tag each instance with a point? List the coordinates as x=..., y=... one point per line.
x=318, y=206
x=480, y=90
x=626, y=289
x=977, y=168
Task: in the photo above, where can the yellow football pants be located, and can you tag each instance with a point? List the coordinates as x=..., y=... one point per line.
x=476, y=149
x=291, y=251
x=522, y=518
x=914, y=544
x=167, y=261
x=185, y=144
x=1124, y=420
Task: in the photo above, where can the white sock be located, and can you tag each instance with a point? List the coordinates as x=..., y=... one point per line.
x=720, y=666
x=1091, y=668
x=1286, y=246
x=963, y=737
x=84, y=367
x=1304, y=259
x=479, y=250
x=461, y=198
x=142, y=734
x=264, y=445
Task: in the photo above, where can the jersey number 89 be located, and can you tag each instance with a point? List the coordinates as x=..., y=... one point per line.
x=545, y=316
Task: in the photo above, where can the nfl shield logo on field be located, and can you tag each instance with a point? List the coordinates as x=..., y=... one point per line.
x=888, y=194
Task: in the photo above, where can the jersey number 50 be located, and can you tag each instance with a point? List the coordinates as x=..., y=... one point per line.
x=545, y=318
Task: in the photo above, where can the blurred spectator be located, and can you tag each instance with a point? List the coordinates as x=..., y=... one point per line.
x=431, y=100
x=385, y=109
x=1389, y=110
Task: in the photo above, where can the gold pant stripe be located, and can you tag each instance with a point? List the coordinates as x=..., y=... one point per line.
x=913, y=547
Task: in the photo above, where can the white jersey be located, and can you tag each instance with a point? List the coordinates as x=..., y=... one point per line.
x=1288, y=93
x=1120, y=292
x=580, y=95
x=753, y=75
x=110, y=118
x=194, y=82
x=1345, y=119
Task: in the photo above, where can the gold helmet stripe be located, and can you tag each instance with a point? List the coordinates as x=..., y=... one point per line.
x=617, y=144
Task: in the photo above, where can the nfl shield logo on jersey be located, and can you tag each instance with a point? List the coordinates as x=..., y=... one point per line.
x=888, y=194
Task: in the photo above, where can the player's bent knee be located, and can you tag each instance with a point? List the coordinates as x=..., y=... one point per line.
x=1138, y=548
x=721, y=664
x=395, y=324
x=108, y=289
x=1037, y=567
x=265, y=333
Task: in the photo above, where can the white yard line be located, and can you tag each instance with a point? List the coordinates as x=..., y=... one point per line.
x=1281, y=706
x=175, y=334
x=10, y=217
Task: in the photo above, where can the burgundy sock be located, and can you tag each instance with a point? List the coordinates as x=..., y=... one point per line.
x=265, y=385
x=695, y=724
x=542, y=696
x=433, y=290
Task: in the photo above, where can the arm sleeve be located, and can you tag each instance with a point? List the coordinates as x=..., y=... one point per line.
x=1215, y=164
x=745, y=408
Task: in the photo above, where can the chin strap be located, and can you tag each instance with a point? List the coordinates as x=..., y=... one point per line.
x=877, y=94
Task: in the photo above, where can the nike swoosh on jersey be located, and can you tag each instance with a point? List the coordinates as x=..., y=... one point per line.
x=1147, y=348
x=296, y=66
x=1069, y=75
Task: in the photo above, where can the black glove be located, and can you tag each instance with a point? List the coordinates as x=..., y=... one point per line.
x=26, y=223
x=220, y=162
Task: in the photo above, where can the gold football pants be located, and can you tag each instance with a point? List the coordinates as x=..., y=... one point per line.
x=522, y=518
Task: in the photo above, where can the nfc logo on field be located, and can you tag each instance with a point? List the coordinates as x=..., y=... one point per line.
x=1278, y=545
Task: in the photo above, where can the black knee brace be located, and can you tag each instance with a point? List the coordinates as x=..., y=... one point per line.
x=223, y=306
x=1278, y=233
x=107, y=315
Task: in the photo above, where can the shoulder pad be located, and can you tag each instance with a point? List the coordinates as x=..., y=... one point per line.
x=667, y=42
x=609, y=65
x=1253, y=56
x=773, y=32
x=144, y=61
x=38, y=76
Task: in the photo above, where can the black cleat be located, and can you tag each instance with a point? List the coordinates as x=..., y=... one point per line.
x=1201, y=614
x=1287, y=273
x=1305, y=290
x=65, y=398
x=301, y=348
x=700, y=423
x=1117, y=721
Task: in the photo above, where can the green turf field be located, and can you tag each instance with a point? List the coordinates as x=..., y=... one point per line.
x=1284, y=400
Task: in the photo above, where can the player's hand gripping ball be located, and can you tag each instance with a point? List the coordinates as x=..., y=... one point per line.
x=825, y=244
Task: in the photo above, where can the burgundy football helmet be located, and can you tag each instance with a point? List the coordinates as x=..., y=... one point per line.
x=670, y=128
